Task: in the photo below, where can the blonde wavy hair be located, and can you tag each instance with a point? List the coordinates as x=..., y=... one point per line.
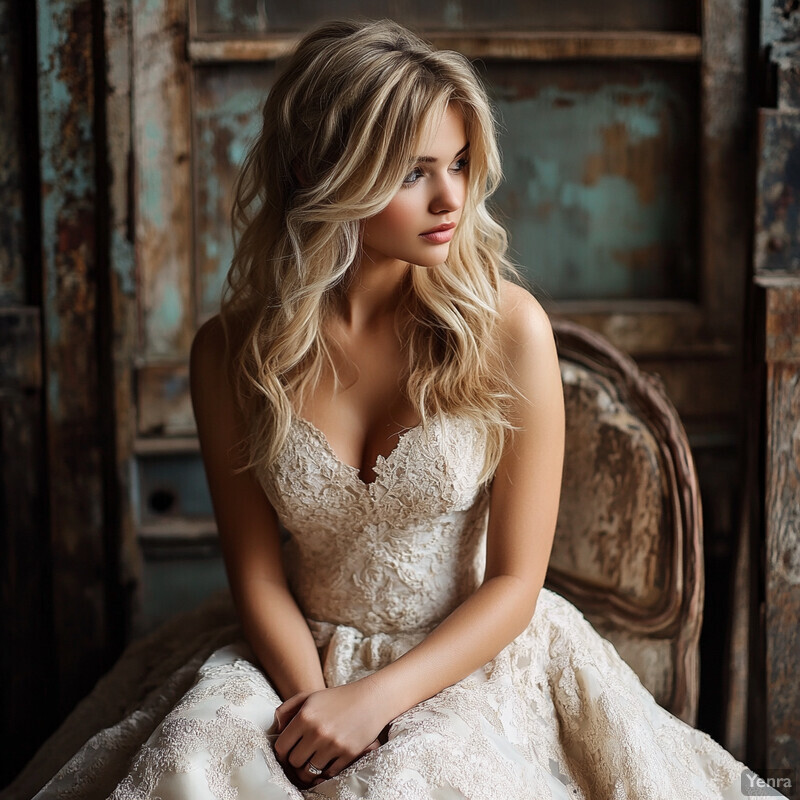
x=340, y=128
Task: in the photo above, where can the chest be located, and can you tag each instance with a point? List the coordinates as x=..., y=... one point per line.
x=432, y=472
x=364, y=413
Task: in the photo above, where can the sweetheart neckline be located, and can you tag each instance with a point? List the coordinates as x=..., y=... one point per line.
x=380, y=461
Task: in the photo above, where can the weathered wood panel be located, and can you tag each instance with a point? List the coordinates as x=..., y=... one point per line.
x=522, y=45
x=27, y=696
x=20, y=354
x=777, y=293
x=780, y=21
x=252, y=16
x=122, y=297
x=706, y=392
x=227, y=104
x=12, y=222
x=597, y=211
x=777, y=244
x=782, y=324
x=648, y=327
x=782, y=510
x=783, y=558
x=173, y=486
x=786, y=57
x=163, y=401
x=600, y=162
x=74, y=420
x=724, y=190
x=162, y=142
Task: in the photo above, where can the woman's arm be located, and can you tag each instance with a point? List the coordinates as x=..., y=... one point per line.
x=522, y=519
x=248, y=529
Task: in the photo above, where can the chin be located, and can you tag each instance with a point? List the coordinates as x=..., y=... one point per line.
x=433, y=261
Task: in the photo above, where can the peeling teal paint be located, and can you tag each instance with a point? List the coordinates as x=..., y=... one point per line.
x=780, y=21
x=225, y=11
x=576, y=236
x=577, y=233
x=51, y=204
x=123, y=263
x=149, y=9
x=245, y=103
x=57, y=118
x=168, y=312
x=152, y=182
x=226, y=126
x=222, y=254
x=238, y=147
x=452, y=14
x=227, y=16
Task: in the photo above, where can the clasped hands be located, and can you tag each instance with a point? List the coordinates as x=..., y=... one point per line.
x=328, y=729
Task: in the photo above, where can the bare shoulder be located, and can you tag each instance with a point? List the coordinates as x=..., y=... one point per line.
x=209, y=341
x=524, y=325
x=209, y=355
x=209, y=370
x=527, y=345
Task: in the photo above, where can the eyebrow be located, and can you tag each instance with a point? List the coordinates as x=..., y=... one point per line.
x=432, y=160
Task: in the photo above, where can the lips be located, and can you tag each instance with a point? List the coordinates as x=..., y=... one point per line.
x=440, y=234
x=445, y=226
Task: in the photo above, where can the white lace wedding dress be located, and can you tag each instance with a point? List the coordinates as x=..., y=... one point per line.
x=557, y=714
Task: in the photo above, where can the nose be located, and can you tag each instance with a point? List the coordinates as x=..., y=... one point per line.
x=449, y=194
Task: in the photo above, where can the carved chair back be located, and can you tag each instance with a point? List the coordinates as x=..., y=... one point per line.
x=628, y=546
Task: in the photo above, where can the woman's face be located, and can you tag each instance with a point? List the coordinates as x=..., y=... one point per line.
x=419, y=222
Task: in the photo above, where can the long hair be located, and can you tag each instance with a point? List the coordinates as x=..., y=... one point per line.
x=340, y=126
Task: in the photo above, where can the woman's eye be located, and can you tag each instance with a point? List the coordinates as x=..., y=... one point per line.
x=461, y=164
x=412, y=177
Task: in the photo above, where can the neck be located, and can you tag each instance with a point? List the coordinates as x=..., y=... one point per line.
x=373, y=293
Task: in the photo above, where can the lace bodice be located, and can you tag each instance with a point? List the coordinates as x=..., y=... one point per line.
x=392, y=556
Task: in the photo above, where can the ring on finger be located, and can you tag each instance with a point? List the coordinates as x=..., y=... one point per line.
x=312, y=769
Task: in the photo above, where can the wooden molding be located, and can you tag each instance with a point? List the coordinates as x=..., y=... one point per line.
x=525, y=46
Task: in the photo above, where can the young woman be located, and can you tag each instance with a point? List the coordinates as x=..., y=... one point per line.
x=376, y=384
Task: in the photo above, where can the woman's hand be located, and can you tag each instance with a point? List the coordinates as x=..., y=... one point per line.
x=329, y=728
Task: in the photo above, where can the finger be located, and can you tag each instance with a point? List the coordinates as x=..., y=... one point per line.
x=286, y=741
x=286, y=710
x=313, y=770
x=342, y=762
x=324, y=759
x=302, y=752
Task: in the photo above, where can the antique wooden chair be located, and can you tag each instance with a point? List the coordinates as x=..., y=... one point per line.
x=628, y=546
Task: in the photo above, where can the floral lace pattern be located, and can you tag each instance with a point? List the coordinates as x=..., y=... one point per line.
x=556, y=714
x=394, y=555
